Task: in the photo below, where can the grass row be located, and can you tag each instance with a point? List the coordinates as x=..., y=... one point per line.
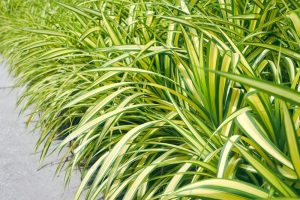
x=166, y=99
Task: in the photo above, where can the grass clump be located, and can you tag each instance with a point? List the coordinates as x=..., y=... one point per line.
x=163, y=99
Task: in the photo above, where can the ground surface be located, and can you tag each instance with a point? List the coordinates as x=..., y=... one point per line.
x=20, y=178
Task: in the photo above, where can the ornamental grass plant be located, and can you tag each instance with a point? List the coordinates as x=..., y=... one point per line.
x=162, y=99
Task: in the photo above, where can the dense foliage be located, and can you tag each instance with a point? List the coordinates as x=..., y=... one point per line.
x=163, y=99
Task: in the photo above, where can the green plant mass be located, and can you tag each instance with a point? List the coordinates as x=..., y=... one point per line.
x=162, y=99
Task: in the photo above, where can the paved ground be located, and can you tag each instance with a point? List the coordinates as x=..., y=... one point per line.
x=20, y=178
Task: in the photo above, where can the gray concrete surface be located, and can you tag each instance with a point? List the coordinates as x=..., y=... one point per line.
x=20, y=178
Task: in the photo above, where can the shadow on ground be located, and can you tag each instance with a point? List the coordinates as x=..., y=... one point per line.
x=20, y=178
